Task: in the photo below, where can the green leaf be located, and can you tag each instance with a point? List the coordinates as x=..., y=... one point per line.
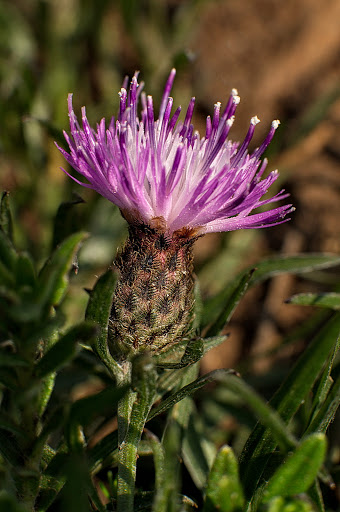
x=322, y=300
x=53, y=278
x=267, y=415
x=158, y=457
x=326, y=413
x=325, y=383
x=104, y=453
x=9, y=504
x=9, y=448
x=12, y=359
x=25, y=272
x=215, y=341
x=105, y=402
x=299, y=470
x=236, y=292
x=6, y=224
x=193, y=452
x=186, y=391
x=224, y=492
x=261, y=443
x=166, y=497
x=8, y=256
x=65, y=349
x=298, y=264
x=193, y=353
x=65, y=221
x=98, y=311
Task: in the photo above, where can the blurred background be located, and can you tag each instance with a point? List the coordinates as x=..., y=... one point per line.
x=284, y=59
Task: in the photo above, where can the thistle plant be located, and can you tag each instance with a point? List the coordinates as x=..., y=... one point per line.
x=172, y=186
x=147, y=327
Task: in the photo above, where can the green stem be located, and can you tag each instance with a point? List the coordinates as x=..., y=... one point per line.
x=133, y=410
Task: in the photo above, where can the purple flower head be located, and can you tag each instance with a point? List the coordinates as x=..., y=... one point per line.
x=162, y=173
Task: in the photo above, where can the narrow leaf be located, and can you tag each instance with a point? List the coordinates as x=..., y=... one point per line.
x=193, y=453
x=106, y=450
x=300, y=469
x=25, y=272
x=8, y=255
x=187, y=391
x=65, y=220
x=167, y=496
x=53, y=278
x=236, y=292
x=286, y=401
x=98, y=311
x=106, y=401
x=322, y=300
x=326, y=413
x=64, y=349
x=265, y=269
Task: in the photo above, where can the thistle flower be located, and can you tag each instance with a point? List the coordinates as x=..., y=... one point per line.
x=172, y=186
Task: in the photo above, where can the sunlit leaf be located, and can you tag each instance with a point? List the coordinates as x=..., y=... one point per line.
x=300, y=469
x=224, y=491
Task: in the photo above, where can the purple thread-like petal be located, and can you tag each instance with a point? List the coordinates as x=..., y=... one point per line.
x=160, y=168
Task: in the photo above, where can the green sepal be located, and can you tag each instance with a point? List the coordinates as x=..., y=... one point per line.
x=64, y=350
x=224, y=492
x=192, y=354
x=299, y=470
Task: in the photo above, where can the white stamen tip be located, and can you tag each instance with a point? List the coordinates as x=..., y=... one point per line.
x=254, y=120
x=230, y=121
x=218, y=105
x=234, y=92
x=236, y=100
x=275, y=124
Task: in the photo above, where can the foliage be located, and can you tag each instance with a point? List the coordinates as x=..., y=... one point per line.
x=49, y=445
x=227, y=440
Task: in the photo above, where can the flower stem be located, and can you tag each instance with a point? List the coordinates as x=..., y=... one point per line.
x=133, y=410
